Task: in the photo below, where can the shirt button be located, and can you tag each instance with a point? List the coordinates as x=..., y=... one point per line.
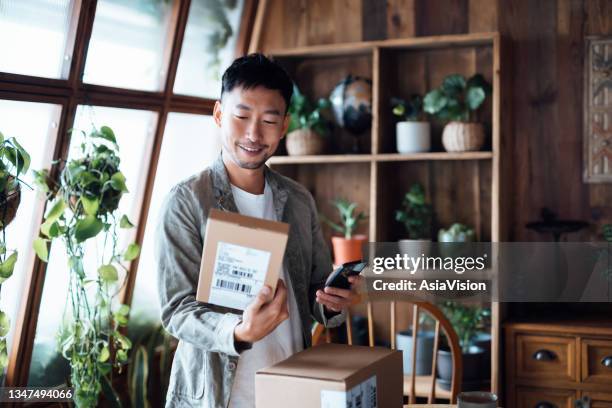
x=231, y=365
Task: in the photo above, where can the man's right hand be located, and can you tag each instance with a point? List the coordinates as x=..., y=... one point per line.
x=263, y=315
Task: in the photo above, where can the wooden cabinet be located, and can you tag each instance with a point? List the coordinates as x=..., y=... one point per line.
x=557, y=363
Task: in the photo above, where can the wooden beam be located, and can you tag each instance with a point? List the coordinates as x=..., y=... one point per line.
x=262, y=10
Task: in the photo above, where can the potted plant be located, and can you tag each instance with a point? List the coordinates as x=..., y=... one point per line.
x=14, y=161
x=413, y=133
x=416, y=216
x=307, y=126
x=347, y=247
x=458, y=100
x=424, y=348
x=468, y=322
x=83, y=208
x=449, y=238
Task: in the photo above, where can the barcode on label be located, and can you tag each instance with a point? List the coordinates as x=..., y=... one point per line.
x=233, y=286
x=242, y=274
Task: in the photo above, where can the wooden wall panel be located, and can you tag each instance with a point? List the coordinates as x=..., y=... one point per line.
x=545, y=63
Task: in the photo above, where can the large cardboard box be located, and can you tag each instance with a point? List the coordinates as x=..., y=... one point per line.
x=240, y=255
x=333, y=376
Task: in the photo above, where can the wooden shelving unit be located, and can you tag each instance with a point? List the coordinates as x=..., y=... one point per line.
x=462, y=187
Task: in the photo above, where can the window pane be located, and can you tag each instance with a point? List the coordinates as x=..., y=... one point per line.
x=134, y=130
x=128, y=43
x=34, y=35
x=176, y=163
x=208, y=46
x=34, y=125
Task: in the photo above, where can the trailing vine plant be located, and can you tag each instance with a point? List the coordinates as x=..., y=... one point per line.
x=14, y=162
x=83, y=215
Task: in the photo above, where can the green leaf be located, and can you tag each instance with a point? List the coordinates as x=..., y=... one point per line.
x=23, y=156
x=117, y=181
x=56, y=210
x=90, y=205
x=131, y=252
x=123, y=310
x=3, y=355
x=104, y=354
x=108, y=273
x=40, y=247
x=110, y=395
x=7, y=267
x=1, y=137
x=453, y=84
x=5, y=324
x=138, y=374
x=40, y=180
x=125, y=222
x=399, y=110
x=124, y=342
x=475, y=97
x=87, y=227
x=434, y=101
x=108, y=134
x=76, y=264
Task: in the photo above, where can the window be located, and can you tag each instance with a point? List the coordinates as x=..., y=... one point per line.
x=134, y=132
x=128, y=43
x=34, y=37
x=208, y=47
x=35, y=127
x=134, y=45
x=175, y=164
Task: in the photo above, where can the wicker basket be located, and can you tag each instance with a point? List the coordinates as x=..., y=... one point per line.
x=302, y=142
x=9, y=205
x=463, y=137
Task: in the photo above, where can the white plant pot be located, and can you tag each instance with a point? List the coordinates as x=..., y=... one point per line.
x=413, y=137
x=415, y=247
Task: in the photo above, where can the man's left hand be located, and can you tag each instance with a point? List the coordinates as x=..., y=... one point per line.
x=336, y=299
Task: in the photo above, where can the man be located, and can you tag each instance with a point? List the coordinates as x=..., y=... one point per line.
x=219, y=353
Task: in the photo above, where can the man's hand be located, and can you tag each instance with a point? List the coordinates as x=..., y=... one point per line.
x=335, y=299
x=263, y=315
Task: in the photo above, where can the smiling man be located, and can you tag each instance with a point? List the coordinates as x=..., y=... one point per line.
x=219, y=353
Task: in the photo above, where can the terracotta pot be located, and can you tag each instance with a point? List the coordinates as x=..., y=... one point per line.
x=347, y=250
x=463, y=137
x=302, y=142
x=9, y=205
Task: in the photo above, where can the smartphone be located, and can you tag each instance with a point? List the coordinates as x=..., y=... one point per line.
x=339, y=277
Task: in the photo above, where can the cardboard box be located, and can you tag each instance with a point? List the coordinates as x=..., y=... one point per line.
x=333, y=376
x=240, y=255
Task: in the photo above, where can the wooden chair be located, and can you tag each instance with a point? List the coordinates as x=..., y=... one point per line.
x=414, y=385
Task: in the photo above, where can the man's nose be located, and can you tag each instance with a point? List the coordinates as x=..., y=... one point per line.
x=254, y=131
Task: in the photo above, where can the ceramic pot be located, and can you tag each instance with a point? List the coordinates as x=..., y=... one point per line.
x=415, y=247
x=424, y=351
x=347, y=250
x=303, y=142
x=413, y=137
x=463, y=137
x=474, y=369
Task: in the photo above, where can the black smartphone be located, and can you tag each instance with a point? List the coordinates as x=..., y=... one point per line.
x=339, y=277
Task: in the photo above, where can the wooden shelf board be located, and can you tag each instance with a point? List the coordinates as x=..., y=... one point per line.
x=387, y=157
x=335, y=50
x=322, y=159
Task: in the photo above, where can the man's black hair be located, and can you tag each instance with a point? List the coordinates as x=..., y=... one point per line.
x=255, y=70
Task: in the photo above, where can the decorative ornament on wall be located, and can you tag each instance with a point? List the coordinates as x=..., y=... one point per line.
x=598, y=110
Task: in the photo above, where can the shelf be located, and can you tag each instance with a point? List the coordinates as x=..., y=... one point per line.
x=389, y=157
x=335, y=50
x=385, y=157
x=321, y=159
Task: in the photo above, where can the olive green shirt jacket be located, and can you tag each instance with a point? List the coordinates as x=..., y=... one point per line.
x=205, y=361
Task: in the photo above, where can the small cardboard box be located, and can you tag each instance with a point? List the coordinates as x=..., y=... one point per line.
x=240, y=255
x=333, y=376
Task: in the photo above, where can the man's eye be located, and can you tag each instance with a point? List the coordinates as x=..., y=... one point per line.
x=269, y=122
x=240, y=117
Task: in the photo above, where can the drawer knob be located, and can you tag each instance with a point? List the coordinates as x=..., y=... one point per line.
x=545, y=404
x=607, y=361
x=544, y=355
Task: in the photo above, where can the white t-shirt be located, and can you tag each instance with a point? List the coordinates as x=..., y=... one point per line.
x=287, y=338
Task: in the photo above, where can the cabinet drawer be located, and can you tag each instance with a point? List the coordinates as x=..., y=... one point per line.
x=544, y=398
x=546, y=357
x=599, y=399
x=596, y=361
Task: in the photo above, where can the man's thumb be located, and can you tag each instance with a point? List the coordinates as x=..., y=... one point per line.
x=262, y=297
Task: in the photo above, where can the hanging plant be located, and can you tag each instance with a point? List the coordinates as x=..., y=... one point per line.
x=83, y=206
x=14, y=162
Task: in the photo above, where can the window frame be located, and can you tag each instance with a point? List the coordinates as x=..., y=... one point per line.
x=71, y=92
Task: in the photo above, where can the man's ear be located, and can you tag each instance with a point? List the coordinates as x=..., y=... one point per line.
x=286, y=122
x=217, y=113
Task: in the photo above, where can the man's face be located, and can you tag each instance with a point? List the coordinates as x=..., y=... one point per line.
x=252, y=123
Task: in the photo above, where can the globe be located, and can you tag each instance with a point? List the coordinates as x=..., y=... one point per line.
x=351, y=103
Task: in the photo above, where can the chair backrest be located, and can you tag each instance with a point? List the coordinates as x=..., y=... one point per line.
x=441, y=324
